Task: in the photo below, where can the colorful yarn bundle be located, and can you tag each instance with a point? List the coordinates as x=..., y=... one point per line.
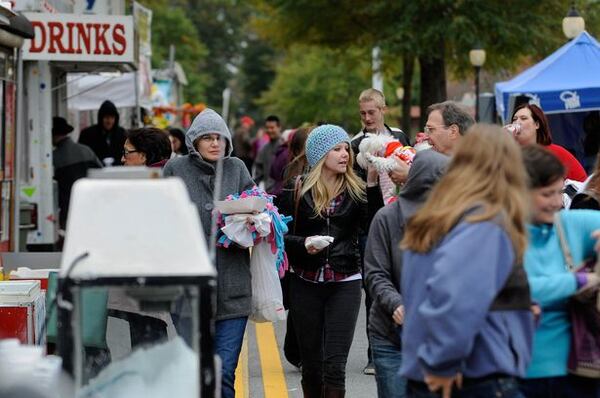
x=272, y=235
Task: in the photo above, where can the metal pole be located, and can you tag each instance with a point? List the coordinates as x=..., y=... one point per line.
x=477, y=70
x=138, y=109
x=19, y=152
x=172, y=60
x=226, y=101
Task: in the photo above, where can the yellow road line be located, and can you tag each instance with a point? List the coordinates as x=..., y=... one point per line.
x=241, y=372
x=270, y=362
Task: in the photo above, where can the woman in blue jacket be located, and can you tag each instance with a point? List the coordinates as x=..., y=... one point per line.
x=552, y=284
x=468, y=325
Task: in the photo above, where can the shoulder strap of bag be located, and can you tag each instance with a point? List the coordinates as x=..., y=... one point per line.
x=297, y=196
x=564, y=245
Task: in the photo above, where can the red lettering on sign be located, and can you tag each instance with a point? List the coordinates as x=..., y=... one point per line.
x=84, y=35
x=40, y=33
x=119, y=38
x=70, y=49
x=101, y=38
x=87, y=38
x=56, y=30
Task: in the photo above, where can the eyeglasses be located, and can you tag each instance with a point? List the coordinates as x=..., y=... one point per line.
x=429, y=130
x=127, y=152
x=211, y=138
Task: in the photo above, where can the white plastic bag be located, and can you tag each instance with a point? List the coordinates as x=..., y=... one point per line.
x=267, y=297
x=237, y=227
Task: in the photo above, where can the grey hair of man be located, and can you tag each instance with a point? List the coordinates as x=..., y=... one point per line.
x=453, y=113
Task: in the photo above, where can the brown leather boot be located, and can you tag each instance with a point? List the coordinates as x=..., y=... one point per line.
x=312, y=389
x=333, y=392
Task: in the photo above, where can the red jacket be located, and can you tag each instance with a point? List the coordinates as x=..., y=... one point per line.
x=574, y=169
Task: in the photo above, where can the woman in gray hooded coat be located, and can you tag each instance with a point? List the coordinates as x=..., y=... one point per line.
x=208, y=140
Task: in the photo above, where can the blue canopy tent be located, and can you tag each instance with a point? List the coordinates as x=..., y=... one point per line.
x=566, y=85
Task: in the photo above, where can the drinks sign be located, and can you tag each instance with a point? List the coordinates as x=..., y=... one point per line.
x=81, y=38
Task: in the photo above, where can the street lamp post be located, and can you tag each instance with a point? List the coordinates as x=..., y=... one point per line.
x=573, y=24
x=477, y=58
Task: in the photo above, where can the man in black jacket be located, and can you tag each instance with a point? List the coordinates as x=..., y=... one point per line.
x=372, y=109
x=71, y=162
x=106, y=138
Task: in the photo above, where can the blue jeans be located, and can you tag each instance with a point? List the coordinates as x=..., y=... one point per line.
x=229, y=335
x=502, y=387
x=387, y=359
x=560, y=387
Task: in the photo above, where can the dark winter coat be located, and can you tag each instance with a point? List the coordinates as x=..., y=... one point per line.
x=343, y=225
x=278, y=166
x=105, y=144
x=71, y=162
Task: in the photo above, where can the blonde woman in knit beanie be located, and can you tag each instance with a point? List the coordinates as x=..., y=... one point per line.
x=329, y=205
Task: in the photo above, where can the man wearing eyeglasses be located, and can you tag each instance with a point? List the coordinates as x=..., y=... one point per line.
x=446, y=123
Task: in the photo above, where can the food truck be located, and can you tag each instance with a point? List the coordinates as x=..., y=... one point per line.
x=15, y=31
x=69, y=37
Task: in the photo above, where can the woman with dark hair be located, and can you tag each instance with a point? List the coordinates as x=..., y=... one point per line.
x=177, y=138
x=536, y=130
x=294, y=165
x=147, y=146
x=551, y=281
x=297, y=164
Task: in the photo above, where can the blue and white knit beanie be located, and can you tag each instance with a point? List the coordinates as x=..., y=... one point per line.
x=322, y=140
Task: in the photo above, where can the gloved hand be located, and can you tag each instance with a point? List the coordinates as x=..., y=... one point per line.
x=315, y=244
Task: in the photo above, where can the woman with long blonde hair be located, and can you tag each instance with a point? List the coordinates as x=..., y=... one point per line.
x=468, y=321
x=329, y=205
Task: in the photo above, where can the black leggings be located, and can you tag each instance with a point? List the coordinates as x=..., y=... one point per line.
x=324, y=315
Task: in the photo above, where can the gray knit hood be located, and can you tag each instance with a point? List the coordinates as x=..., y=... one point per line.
x=427, y=168
x=208, y=122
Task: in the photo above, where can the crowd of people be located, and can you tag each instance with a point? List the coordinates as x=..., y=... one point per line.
x=468, y=273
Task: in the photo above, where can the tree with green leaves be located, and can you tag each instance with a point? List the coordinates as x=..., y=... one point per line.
x=172, y=26
x=238, y=59
x=316, y=84
x=438, y=34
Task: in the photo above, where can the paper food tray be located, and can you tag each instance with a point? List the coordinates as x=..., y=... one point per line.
x=251, y=204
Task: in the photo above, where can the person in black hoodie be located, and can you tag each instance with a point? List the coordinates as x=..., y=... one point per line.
x=106, y=138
